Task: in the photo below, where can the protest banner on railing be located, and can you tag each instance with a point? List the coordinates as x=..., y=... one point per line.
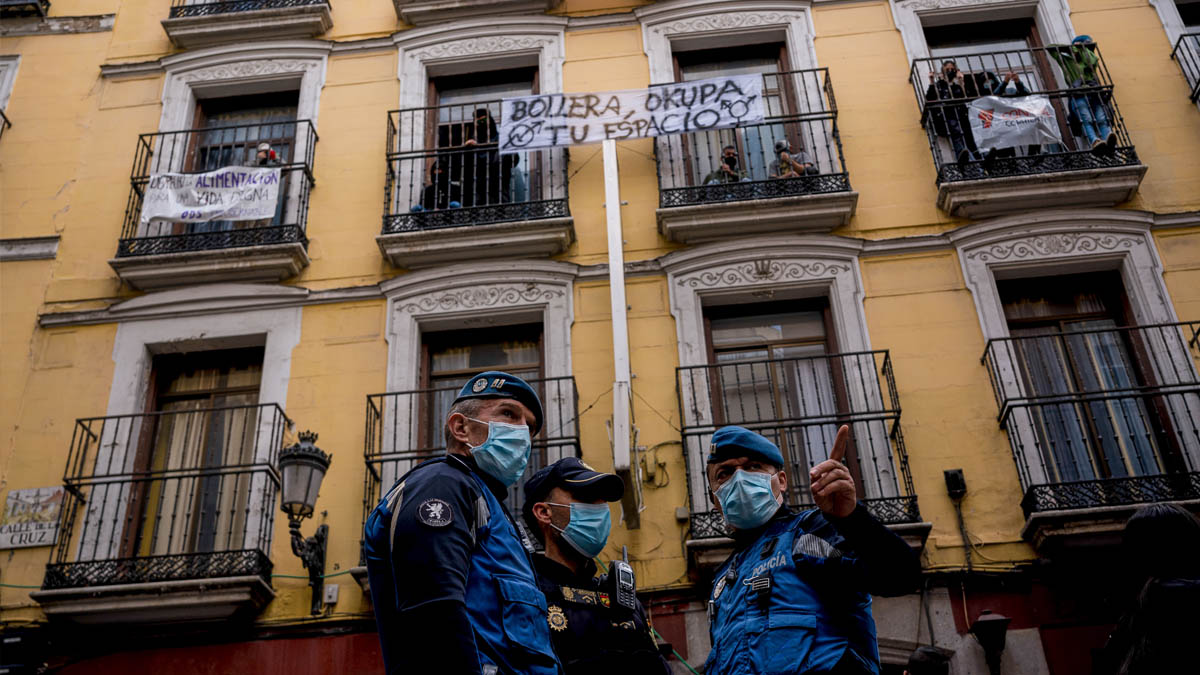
x=232, y=193
x=1016, y=122
x=529, y=122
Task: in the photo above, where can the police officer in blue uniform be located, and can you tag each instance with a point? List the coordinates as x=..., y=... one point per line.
x=452, y=583
x=795, y=595
x=596, y=630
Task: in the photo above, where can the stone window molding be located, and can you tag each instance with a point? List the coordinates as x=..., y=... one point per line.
x=911, y=16
x=1168, y=13
x=8, y=77
x=1068, y=241
x=689, y=24
x=194, y=326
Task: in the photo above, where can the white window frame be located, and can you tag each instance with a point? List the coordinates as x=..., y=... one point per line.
x=1053, y=19
x=8, y=78
x=1063, y=242
x=1168, y=13
x=193, y=319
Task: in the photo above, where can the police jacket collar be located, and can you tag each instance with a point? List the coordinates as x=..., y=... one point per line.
x=467, y=463
x=561, y=575
x=744, y=538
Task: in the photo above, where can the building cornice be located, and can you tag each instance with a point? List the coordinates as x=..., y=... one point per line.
x=28, y=248
x=57, y=25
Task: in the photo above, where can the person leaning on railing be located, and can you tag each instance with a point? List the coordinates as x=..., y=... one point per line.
x=788, y=164
x=441, y=192
x=1009, y=87
x=1079, y=64
x=727, y=171
x=952, y=121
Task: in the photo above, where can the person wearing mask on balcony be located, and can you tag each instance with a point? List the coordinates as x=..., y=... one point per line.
x=1010, y=86
x=440, y=192
x=1080, y=67
x=452, y=583
x=950, y=120
x=788, y=164
x=595, y=629
x=727, y=168
x=795, y=594
x=488, y=174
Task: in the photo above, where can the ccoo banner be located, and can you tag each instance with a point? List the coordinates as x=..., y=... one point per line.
x=529, y=122
x=232, y=193
x=998, y=122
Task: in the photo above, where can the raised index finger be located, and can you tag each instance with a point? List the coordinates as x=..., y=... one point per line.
x=839, y=443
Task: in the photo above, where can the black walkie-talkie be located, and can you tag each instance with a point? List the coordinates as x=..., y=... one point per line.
x=624, y=585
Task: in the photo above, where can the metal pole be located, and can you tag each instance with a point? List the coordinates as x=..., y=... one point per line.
x=621, y=433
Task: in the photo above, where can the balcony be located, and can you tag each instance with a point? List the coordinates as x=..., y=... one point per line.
x=202, y=23
x=799, y=403
x=451, y=196
x=423, y=12
x=1187, y=54
x=155, y=253
x=167, y=517
x=1100, y=422
x=975, y=183
x=15, y=8
x=406, y=428
x=699, y=202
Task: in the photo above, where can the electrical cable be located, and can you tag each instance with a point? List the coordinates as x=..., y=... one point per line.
x=656, y=411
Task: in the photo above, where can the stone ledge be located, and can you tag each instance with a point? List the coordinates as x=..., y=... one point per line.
x=1100, y=526
x=540, y=238
x=304, y=21
x=266, y=263
x=190, y=600
x=423, y=12
x=801, y=214
x=987, y=197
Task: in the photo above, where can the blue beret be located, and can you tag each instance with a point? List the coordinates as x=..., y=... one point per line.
x=495, y=384
x=1081, y=38
x=571, y=474
x=732, y=441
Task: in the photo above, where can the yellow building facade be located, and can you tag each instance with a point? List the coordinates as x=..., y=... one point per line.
x=1026, y=315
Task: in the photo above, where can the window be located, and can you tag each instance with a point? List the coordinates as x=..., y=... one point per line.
x=1189, y=12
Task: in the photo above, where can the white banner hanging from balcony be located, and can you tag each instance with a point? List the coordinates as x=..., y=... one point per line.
x=530, y=122
x=1016, y=122
x=31, y=517
x=232, y=193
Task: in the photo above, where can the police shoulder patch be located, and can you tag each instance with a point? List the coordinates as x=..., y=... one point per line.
x=435, y=513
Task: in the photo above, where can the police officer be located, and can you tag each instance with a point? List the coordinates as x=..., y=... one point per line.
x=794, y=596
x=593, y=631
x=451, y=582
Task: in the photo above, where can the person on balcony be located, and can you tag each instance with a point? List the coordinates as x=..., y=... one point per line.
x=595, y=629
x=487, y=175
x=727, y=169
x=788, y=164
x=795, y=594
x=950, y=120
x=441, y=192
x=452, y=583
x=1010, y=86
x=1080, y=67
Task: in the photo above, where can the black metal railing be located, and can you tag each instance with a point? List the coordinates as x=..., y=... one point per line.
x=799, y=403
x=195, y=151
x=1101, y=417
x=181, y=494
x=1187, y=54
x=182, y=8
x=1081, y=96
x=444, y=169
x=16, y=8
x=406, y=428
x=4, y=123
x=801, y=121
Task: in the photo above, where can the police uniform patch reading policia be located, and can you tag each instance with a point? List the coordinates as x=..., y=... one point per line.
x=435, y=513
x=556, y=618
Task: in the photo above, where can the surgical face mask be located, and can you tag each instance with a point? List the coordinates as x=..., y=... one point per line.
x=588, y=530
x=951, y=73
x=505, y=452
x=746, y=499
x=731, y=162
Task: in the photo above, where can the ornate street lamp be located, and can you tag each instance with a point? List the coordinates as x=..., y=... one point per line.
x=301, y=469
x=990, y=629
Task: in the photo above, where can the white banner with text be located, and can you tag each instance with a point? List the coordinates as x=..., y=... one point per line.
x=232, y=193
x=1001, y=122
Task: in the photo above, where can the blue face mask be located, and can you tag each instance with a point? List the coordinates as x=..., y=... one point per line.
x=746, y=499
x=588, y=530
x=505, y=452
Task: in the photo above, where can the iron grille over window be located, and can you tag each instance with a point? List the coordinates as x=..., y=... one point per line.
x=1187, y=53
x=406, y=428
x=201, y=150
x=181, y=8
x=799, y=403
x=800, y=112
x=169, y=496
x=1073, y=78
x=444, y=169
x=1101, y=417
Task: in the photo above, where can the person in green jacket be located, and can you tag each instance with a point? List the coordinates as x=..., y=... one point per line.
x=1080, y=65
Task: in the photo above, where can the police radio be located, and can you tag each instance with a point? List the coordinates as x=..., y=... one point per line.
x=624, y=586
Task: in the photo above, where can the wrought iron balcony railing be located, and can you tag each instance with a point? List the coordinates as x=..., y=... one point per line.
x=1187, y=54
x=799, y=403
x=182, y=8
x=406, y=428
x=1077, y=86
x=24, y=8
x=167, y=496
x=444, y=169
x=800, y=111
x=1101, y=416
x=201, y=150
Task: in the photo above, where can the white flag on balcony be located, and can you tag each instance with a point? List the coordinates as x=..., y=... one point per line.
x=1016, y=122
x=232, y=193
x=529, y=122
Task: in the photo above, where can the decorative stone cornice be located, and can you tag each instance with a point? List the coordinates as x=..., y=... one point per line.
x=762, y=271
x=1054, y=244
x=481, y=297
x=249, y=69
x=481, y=45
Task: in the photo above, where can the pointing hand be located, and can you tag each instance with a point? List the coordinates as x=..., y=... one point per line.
x=830, y=481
